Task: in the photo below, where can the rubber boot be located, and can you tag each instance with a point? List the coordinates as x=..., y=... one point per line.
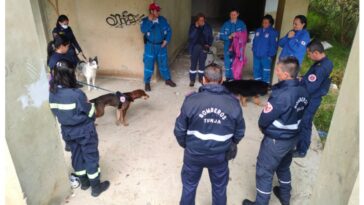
x=85, y=183
x=99, y=187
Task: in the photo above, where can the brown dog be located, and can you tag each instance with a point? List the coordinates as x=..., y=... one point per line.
x=119, y=100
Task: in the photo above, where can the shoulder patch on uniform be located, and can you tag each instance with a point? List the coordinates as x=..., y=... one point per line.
x=257, y=34
x=303, y=43
x=266, y=35
x=268, y=108
x=122, y=99
x=312, y=78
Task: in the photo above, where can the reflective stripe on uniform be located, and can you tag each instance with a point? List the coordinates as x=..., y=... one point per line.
x=94, y=175
x=262, y=192
x=193, y=71
x=92, y=110
x=279, y=125
x=220, y=138
x=62, y=106
x=200, y=71
x=80, y=173
x=284, y=182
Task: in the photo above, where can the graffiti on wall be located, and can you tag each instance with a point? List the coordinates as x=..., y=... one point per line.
x=123, y=19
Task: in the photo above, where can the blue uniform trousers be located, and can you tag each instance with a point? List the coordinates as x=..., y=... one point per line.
x=152, y=53
x=262, y=68
x=306, y=126
x=191, y=174
x=198, y=56
x=85, y=154
x=228, y=61
x=275, y=156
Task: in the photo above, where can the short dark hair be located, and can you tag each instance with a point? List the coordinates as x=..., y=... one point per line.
x=56, y=43
x=234, y=9
x=269, y=18
x=315, y=45
x=303, y=19
x=200, y=15
x=63, y=75
x=62, y=18
x=213, y=73
x=290, y=65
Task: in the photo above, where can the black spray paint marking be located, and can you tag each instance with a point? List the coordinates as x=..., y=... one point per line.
x=123, y=19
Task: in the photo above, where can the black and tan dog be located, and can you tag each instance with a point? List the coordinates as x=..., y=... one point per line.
x=119, y=100
x=247, y=88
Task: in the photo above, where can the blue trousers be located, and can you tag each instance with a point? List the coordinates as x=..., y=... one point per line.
x=306, y=126
x=153, y=53
x=275, y=156
x=85, y=154
x=262, y=68
x=198, y=56
x=191, y=174
x=228, y=61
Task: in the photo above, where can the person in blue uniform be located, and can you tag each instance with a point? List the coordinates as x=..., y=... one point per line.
x=226, y=34
x=295, y=41
x=210, y=121
x=200, y=40
x=264, y=49
x=58, y=49
x=76, y=116
x=63, y=29
x=157, y=34
x=317, y=82
x=279, y=122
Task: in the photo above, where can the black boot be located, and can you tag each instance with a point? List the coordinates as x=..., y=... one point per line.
x=192, y=83
x=99, y=187
x=248, y=202
x=170, y=83
x=67, y=148
x=85, y=183
x=147, y=87
x=278, y=195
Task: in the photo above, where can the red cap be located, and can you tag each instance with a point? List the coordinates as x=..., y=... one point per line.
x=154, y=6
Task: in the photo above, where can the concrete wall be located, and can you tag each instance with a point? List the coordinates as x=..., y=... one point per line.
x=339, y=165
x=211, y=8
x=31, y=132
x=120, y=47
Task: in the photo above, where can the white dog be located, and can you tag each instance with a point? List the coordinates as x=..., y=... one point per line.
x=88, y=70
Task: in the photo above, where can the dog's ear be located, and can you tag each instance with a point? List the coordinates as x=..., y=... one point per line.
x=96, y=60
x=89, y=60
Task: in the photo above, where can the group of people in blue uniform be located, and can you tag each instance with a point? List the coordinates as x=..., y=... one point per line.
x=211, y=122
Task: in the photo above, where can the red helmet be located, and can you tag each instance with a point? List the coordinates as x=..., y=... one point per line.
x=154, y=6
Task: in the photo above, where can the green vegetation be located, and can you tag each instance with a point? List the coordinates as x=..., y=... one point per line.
x=334, y=21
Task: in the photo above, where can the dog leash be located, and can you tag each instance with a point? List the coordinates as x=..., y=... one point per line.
x=95, y=87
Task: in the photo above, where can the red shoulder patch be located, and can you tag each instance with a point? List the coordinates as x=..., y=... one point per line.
x=312, y=78
x=268, y=108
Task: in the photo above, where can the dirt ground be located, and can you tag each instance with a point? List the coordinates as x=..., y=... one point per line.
x=143, y=160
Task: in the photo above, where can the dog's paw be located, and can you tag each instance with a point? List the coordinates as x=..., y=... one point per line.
x=117, y=122
x=126, y=124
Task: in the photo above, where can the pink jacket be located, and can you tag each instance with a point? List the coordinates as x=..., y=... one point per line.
x=238, y=48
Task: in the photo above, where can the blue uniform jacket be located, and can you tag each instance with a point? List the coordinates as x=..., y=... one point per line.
x=58, y=30
x=73, y=111
x=209, y=121
x=317, y=79
x=55, y=57
x=156, y=32
x=265, y=42
x=281, y=117
x=193, y=35
x=295, y=46
x=229, y=28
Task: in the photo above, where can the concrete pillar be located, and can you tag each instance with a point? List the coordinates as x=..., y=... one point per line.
x=339, y=165
x=31, y=131
x=287, y=10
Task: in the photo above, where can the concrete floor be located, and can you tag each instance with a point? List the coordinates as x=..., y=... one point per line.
x=143, y=160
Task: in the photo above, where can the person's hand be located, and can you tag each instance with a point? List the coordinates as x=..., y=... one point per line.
x=196, y=24
x=299, y=78
x=164, y=43
x=291, y=34
x=232, y=35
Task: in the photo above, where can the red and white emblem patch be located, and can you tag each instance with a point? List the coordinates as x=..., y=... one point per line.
x=122, y=99
x=268, y=108
x=312, y=78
